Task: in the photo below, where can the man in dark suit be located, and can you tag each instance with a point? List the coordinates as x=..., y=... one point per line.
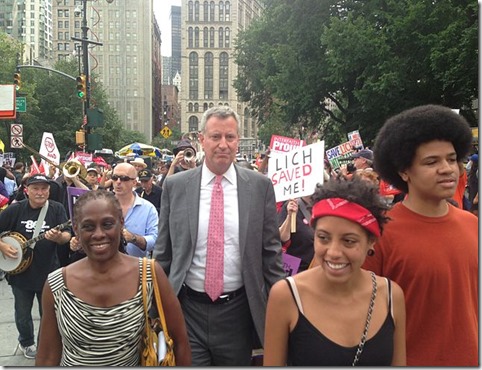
x=221, y=325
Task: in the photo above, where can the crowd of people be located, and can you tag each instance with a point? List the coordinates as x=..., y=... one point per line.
x=388, y=249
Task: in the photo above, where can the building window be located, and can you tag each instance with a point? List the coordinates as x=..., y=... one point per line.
x=196, y=37
x=221, y=11
x=190, y=11
x=190, y=37
x=208, y=76
x=196, y=107
x=205, y=107
x=221, y=38
x=226, y=40
x=190, y=107
x=223, y=76
x=193, y=76
x=196, y=11
x=205, y=37
x=193, y=124
x=205, y=11
x=211, y=37
x=227, y=11
x=211, y=11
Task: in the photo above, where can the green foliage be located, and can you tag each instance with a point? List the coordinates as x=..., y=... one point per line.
x=370, y=59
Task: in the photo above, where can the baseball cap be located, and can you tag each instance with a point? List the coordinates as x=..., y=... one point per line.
x=93, y=169
x=364, y=153
x=474, y=157
x=37, y=179
x=145, y=175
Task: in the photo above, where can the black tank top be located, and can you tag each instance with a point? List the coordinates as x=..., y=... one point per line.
x=307, y=346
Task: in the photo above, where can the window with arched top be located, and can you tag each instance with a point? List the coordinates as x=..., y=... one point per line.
x=196, y=37
x=190, y=11
x=223, y=76
x=193, y=76
x=205, y=11
x=211, y=11
x=211, y=105
x=211, y=37
x=205, y=37
x=196, y=107
x=226, y=37
x=193, y=123
x=190, y=37
x=221, y=37
x=205, y=107
x=196, y=11
x=208, y=76
x=227, y=11
x=190, y=107
x=221, y=11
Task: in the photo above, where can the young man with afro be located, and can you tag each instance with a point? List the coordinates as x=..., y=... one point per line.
x=430, y=247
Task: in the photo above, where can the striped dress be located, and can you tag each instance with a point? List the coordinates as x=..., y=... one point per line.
x=99, y=336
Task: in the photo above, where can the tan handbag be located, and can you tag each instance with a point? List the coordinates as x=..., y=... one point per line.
x=150, y=337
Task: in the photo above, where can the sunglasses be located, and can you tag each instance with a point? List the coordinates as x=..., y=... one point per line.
x=121, y=178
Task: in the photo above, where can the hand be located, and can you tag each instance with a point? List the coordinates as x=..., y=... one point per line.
x=54, y=235
x=127, y=235
x=75, y=244
x=178, y=158
x=8, y=251
x=292, y=207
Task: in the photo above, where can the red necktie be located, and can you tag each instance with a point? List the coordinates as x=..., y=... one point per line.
x=214, y=280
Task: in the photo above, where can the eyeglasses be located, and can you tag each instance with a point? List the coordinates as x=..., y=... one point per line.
x=121, y=178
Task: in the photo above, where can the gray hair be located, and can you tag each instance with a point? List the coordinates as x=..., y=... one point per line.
x=220, y=111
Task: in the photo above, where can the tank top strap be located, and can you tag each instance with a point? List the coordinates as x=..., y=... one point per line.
x=294, y=293
x=56, y=280
x=389, y=298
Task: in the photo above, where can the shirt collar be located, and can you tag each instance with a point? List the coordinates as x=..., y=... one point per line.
x=207, y=176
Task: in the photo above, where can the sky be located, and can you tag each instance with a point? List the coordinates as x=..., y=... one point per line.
x=162, y=11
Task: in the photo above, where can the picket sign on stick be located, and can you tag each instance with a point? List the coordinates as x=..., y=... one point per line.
x=293, y=222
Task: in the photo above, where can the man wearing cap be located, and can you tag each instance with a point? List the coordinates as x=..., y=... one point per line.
x=92, y=178
x=22, y=218
x=363, y=159
x=181, y=162
x=148, y=190
x=139, y=164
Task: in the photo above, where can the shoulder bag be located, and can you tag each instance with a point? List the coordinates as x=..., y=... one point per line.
x=157, y=349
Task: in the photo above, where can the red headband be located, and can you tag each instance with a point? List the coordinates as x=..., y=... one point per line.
x=343, y=208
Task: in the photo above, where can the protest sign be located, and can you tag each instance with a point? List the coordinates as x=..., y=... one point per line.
x=283, y=144
x=291, y=264
x=296, y=173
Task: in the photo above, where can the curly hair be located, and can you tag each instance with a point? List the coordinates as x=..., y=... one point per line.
x=95, y=195
x=401, y=135
x=357, y=191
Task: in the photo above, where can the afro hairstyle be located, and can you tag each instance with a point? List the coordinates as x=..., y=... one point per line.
x=402, y=134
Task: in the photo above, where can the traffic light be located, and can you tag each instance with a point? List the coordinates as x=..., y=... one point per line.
x=81, y=86
x=17, y=80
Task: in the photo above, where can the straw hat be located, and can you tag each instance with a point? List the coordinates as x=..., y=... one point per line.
x=139, y=161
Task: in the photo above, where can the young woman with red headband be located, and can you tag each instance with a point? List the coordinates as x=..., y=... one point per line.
x=337, y=314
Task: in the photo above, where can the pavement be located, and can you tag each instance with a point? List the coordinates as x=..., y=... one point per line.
x=8, y=330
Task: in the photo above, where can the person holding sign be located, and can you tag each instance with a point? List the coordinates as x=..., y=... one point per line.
x=319, y=317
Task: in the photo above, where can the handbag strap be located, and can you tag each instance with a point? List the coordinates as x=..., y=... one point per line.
x=369, y=317
x=144, y=288
x=40, y=221
x=157, y=294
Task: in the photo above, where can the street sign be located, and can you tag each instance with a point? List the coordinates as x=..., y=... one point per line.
x=16, y=129
x=16, y=142
x=21, y=104
x=166, y=132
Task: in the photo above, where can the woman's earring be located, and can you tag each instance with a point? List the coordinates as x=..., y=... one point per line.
x=371, y=252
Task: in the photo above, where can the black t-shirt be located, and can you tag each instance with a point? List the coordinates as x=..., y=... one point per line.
x=20, y=217
x=154, y=197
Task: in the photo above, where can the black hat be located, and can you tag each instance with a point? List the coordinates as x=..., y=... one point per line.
x=183, y=144
x=145, y=175
x=39, y=178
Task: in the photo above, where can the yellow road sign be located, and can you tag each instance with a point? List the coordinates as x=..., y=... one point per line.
x=166, y=132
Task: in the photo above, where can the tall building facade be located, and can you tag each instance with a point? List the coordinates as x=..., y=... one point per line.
x=166, y=71
x=30, y=22
x=208, y=31
x=175, y=41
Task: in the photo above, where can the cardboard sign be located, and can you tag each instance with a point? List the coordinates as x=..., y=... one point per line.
x=73, y=193
x=296, y=173
x=291, y=264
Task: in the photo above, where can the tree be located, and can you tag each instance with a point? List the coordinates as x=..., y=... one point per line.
x=338, y=66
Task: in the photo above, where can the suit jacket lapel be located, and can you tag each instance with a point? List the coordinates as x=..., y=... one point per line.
x=193, y=193
x=244, y=206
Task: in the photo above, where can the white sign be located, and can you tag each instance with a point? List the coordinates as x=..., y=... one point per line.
x=16, y=129
x=296, y=173
x=48, y=148
x=16, y=142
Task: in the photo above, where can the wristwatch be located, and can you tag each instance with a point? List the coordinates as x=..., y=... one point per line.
x=134, y=239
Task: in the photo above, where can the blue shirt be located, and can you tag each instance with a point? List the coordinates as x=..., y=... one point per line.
x=142, y=219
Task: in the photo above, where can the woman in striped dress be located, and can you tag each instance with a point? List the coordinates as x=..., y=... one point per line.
x=92, y=309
